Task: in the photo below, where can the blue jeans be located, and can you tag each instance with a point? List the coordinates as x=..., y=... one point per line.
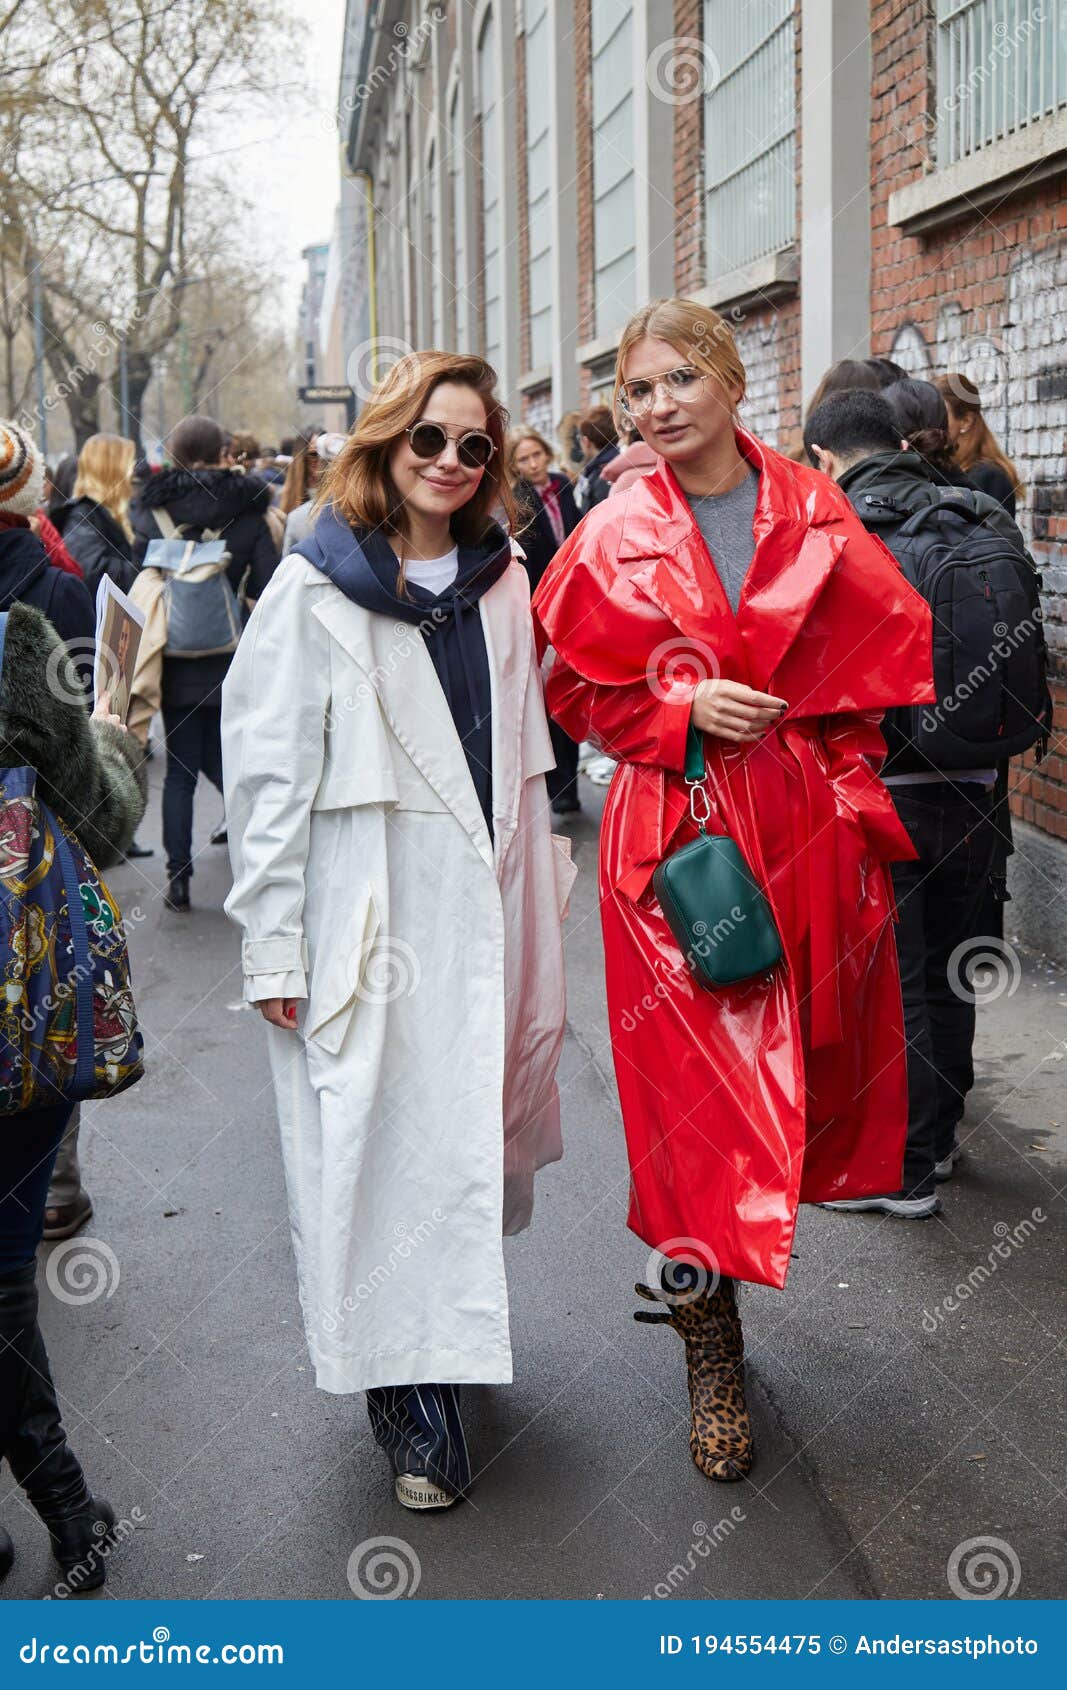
x=28, y=1145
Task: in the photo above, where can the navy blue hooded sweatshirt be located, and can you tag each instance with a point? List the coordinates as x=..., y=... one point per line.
x=363, y=565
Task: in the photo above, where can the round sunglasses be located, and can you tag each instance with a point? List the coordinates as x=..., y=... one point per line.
x=474, y=448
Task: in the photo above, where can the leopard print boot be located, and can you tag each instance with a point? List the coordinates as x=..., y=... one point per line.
x=710, y=1327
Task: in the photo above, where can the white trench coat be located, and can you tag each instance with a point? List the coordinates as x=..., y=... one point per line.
x=419, y=1095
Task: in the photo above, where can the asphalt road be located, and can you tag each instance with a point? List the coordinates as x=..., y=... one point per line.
x=892, y=1430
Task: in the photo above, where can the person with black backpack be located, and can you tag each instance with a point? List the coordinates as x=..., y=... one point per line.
x=201, y=535
x=962, y=551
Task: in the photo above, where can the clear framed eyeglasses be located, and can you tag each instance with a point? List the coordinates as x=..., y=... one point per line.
x=684, y=384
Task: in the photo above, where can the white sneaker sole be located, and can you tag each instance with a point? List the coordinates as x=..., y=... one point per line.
x=415, y=1491
x=905, y=1208
x=945, y=1170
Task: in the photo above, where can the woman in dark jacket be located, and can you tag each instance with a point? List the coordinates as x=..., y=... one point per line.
x=547, y=513
x=598, y=438
x=978, y=451
x=544, y=499
x=200, y=493
x=921, y=415
x=91, y=773
x=26, y=574
x=95, y=524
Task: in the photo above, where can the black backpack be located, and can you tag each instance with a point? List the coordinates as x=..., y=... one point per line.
x=968, y=560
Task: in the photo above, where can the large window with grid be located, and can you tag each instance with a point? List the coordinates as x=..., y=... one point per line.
x=538, y=182
x=492, y=257
x=457, y=218
x=749, y=131
x=431, y=245
x=1001, y=65
x=614, y=206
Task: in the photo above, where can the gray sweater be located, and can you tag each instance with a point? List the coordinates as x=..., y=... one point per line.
x=725, y=523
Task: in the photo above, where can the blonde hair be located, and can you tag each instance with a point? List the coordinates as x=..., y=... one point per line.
x=359, y=484
x=517, y=439
x=704, y=338
x=962, y=398
x=105, y=475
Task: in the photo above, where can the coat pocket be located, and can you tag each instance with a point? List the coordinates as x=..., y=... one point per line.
x=337, y=976
x=566, y=871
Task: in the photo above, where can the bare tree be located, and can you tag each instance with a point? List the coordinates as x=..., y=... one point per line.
x=136, y=92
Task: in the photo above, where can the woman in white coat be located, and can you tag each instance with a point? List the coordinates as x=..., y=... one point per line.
x=400, y=896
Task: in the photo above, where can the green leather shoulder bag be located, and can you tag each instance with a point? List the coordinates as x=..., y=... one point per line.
x=720, y=918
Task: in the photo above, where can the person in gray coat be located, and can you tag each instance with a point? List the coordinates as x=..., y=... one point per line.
x=298, y=523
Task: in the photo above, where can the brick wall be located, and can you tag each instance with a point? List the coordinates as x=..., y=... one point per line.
x=583, y=165
x=987, y=295
x=689, y=153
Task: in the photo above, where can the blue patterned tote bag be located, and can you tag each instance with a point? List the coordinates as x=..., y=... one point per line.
x=68, y=1027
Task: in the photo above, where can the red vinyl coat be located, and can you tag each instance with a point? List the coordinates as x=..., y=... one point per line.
x=738, y=1104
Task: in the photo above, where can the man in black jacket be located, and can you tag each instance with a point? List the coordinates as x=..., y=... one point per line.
x=853, y=437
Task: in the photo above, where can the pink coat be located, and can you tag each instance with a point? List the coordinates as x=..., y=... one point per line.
x=632, y=463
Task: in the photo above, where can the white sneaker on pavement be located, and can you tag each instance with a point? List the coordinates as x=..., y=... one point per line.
x=945, y=1170
x=905, y=1208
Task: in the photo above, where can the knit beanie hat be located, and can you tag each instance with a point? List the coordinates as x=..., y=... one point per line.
x=21, y=472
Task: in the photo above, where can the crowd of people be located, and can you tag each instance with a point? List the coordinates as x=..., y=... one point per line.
x=753, y=646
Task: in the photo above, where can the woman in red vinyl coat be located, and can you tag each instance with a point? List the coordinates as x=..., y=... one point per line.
x=783, y=646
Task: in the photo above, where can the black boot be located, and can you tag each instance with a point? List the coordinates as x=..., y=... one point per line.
x=36, y=1445
x=177, y=893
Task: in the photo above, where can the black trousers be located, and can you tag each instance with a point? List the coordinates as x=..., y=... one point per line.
x=562, y=781
x=194, y=747
x=939, y=900
x=28, y=1149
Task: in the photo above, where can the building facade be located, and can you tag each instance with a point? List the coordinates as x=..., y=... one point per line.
x=838, y=177
x=317, y=259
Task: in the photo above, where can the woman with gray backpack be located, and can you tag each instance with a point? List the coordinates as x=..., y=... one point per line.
x=202, y=538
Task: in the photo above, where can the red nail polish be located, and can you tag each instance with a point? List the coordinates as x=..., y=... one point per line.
x=291, y=1013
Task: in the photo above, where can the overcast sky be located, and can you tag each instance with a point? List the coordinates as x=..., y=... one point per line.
x=292, y=165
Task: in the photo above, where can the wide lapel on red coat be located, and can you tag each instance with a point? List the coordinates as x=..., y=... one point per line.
x=660, y=529
x=793, y=560
x=795, y=554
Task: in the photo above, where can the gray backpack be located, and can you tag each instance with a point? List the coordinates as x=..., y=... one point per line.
x=202, y=610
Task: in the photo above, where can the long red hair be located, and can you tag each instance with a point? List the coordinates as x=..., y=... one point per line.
x=358, y=483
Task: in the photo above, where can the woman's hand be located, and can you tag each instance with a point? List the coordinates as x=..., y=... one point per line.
x=280, y=1012
x=730, y=710
x=102, y=712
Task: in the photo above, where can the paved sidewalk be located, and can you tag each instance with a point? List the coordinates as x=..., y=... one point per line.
x=883, y=1444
